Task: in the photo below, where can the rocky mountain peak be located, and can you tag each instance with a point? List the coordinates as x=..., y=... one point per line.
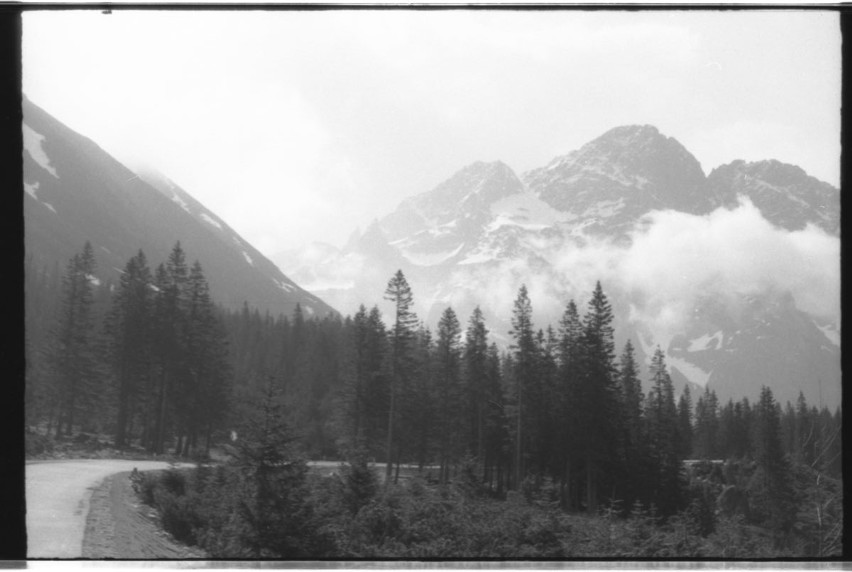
x=632, y=168
x=465, y=196
x=785, y=194
x=478, y=184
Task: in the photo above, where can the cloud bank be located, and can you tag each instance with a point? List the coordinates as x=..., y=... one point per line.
x=674, y=260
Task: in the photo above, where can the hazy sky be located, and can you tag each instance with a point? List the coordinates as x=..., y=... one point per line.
x=301, y=126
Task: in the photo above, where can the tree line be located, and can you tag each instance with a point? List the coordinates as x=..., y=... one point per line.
x=154, y=362
x=148, y=363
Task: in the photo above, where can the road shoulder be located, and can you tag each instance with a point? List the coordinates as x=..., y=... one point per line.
x=120, y=526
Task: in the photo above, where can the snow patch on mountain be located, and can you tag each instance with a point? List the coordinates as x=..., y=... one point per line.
x=283, y=285
x=830, y=332
x=706, y=342
x=31, y=189
x=248, y=258
x=208, y=219
x=524, y=210
x=182, y=203
x=480, y=256
x=430, y=258
x=32, y=145
x=691, y=371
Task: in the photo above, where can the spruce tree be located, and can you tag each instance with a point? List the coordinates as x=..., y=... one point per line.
x=206, y=377
x=476, y=384
x=524, y=350
x=274, y=517
x=73, y=358
x=684, y=414
x=636, y=478
x=128, y=330
x=570, y=363
x=662, y=421
x=597, y=401
x=450, y=395
x=401, y=343
x=771, y=488
x=706, y=426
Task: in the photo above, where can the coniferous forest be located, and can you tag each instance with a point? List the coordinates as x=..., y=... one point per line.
x=441, y=443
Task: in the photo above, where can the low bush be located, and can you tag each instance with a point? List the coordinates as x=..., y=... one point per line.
x=348, y=515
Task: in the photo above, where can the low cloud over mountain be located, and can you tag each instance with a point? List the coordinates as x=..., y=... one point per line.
x=727, y=264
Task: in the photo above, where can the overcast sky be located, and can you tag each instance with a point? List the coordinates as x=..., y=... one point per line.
x=301, y=126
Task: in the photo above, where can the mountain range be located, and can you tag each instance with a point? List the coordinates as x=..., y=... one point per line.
x=594, y=214
x=76, y=192
x=632, y=208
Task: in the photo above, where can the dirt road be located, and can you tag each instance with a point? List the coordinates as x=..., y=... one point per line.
x=58, y=497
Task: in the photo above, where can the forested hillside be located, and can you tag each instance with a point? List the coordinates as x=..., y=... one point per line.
x=560, y=417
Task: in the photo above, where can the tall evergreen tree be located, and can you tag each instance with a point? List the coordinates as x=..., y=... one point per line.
x=401, y=342
x=524, y=354
x=476, y=383
x=128, y=329
x=205, y=388
x=662, y=420
x=706, y=425
x=570, y=367
x=170, y=281
x=74, y=358
x=636, y=480
x=684, y=415
x=450, y=395
x=771, y=487
x=597, y=399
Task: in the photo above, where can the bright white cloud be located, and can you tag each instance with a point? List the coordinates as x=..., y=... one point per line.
x=682, y=257
x=673, y=261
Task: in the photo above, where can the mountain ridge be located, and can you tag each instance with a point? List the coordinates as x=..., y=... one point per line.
x=597, y=199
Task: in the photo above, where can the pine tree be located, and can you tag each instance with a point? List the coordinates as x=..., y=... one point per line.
x=524, y=351
x=684, y=415
x=205, y=387
x=476, y=383
x=570, y=363
x=170, y=280
x=662, y=420
x=634, y=439
x=73, y=358
x=449, y=403
x=128, y=329
x=401, y=342
x=771, y=487
x=272, y=509
x=597, y=399
x=706, y=426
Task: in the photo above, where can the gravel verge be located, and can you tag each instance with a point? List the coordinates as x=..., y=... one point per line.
x=120, y=526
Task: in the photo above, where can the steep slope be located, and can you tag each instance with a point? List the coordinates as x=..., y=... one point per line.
x=610, y=182
x=441, y=225
x=76, y=192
